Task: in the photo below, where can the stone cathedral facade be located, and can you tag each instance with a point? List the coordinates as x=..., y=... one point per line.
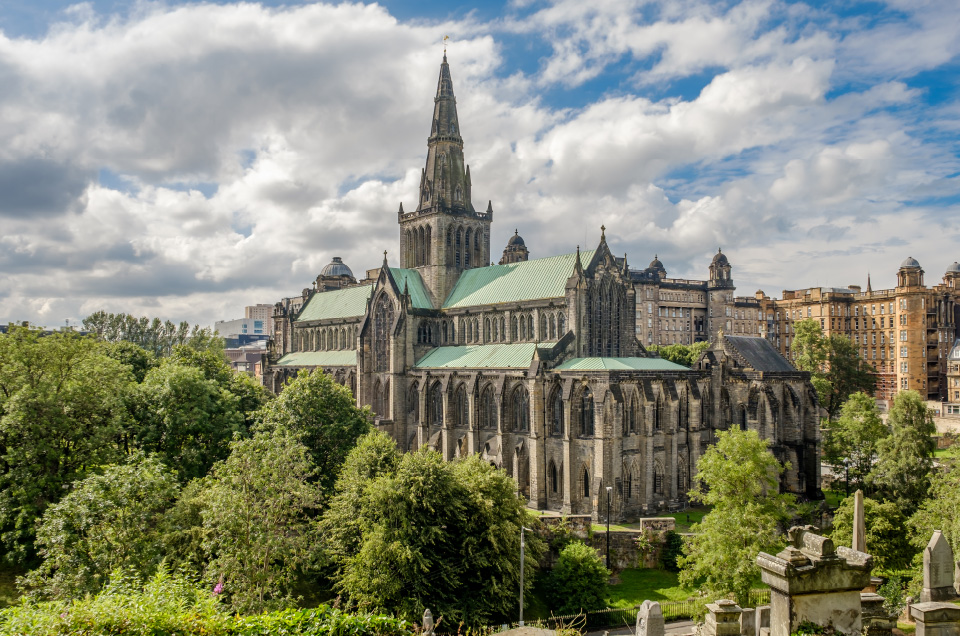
x=534, y=364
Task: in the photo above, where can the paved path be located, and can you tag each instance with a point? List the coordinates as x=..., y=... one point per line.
x=674, y=628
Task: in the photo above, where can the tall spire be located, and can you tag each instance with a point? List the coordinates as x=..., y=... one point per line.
x=446, y=178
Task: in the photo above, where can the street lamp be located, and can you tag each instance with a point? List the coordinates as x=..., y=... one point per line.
x=522, y=544
x=609, y=494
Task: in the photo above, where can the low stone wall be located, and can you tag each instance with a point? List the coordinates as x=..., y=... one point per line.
x=623, y=543
x=623, y=549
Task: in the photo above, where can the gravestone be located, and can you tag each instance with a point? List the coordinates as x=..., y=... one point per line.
x=859, y=525
x=748, y=622
x=722, y=619
x=877, y=621
x=936, y=619
x=937, y=570
x=763, y=620
x=811, y=580
x=650, y=619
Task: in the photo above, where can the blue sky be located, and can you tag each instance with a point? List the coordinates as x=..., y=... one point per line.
x=186, y=159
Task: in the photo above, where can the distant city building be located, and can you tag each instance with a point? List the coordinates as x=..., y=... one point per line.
x=906, y=333
x=257, y=322
x=953, y=381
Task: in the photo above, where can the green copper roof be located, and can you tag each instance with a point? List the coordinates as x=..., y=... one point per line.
x=410, y=278
x=342, y=303
x=319, y=359
x=493, y=356
x=529, y=280
x=620, y=364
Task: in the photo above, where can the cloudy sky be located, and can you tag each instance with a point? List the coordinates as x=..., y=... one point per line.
x=183, y=160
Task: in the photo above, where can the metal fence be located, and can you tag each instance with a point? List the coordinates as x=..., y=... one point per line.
x=612, y=618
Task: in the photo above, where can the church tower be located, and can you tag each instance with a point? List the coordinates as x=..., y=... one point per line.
x=445, y=235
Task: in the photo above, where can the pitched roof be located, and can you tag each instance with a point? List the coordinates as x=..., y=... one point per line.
x=620, y=364
x=492, y=356
x=319, y=359
x=759, y=354
x=410, y=279
x=350, y=302
x=955, y=352
x=515, y=282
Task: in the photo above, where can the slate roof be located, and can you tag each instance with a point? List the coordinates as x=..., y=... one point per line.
x=410, y=278
x=319, y=359
x=759, y=354
x=515, y=282
x=955, y=352
x=620, y=364
x=492, y=356
x=341, y=303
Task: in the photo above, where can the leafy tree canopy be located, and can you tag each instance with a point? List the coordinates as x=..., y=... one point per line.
x=741, y=479
x=434, y=533
x=905, y=458
x=324, y=417
x=851, y=442
x=62, y=412
x=834, y=363
x=941, y=509
x=681, y=354
x=886, y=539
x=107, y=522
x=156, y=336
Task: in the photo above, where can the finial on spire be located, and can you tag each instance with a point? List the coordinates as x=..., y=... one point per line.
x=401, y=207
x=603, y=233
x=516, y=232
x=384, y=258
x=445, y=38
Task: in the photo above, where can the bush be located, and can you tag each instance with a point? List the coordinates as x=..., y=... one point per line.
x=579, y=581
x=672, y=549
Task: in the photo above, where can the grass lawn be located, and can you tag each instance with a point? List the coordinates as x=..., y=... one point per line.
x=688, y=517
x=636, y=586
x=907, y=628
x=834, y=497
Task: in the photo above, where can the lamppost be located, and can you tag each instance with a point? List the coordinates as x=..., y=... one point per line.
x=522, y=544
x=609, y=493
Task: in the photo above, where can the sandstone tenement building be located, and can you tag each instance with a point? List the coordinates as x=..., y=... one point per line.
x=536, y=363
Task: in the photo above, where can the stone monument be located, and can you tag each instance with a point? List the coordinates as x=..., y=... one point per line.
x=813, y=581
x=859, y=525
x=722, y=619
x=937, y=570
x=650, y=619
x=936, y=619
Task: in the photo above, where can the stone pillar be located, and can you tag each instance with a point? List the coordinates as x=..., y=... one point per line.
x=859, y=526
x=876, y=620
x=763, y=620
x=938, y=568
x=936, y=619
x=812, y=581
x=722, y=619
x=650, y=619
x=748, y=622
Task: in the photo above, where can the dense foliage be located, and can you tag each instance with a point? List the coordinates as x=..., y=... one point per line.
x=681, y=354
x=905, y=458
x=834, y=363
x=886, y=539
x=740, y=479
x=578, y=583
x=851, y=442
x=425, y=532
x=156, y=336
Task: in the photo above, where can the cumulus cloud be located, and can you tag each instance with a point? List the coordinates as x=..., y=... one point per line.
x=187, y=160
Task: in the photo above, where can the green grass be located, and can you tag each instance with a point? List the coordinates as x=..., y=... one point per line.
x=614, y=527
x=688, y=517
x=907, y=628
x=637, y=586
x=834, y=497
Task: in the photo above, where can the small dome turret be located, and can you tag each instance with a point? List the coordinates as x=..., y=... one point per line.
x=516, y=250
x=336, y=268
x=954, y=268
x=910, y=263
x=720, y=258
x=657, y=266
x=516, y=240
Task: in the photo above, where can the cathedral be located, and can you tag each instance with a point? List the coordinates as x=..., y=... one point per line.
x=535, y=364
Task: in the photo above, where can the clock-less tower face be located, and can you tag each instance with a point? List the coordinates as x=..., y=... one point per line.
x=445, y=234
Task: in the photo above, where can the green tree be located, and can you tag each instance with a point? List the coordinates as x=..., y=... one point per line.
x=578, y=582
x=62, y=413
x=259, y=513
x=741, y=479
x=439, y=534
x=185, y=418
x=681, y=354
x=851, y=441
x=156, y=336
x=324, y=417
x=940, y=510
x=107, y=522
x=905, y=458
x=834, y=364
x=886, y=540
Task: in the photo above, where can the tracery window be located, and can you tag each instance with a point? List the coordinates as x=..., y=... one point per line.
x=586, y=413
x=530, y=332
x=488, y=408
x=554, y=478
x=561, y=325
x=486, y=330
x=521, y=409
x=381, y=398
x=586, y=483
x=382, y=321
x=466, y=252
x=436, y=405
x=413, y=404
x=514, y=333
x=461, y=415
x=658, y=415
x=658, y=478
x=556, y=412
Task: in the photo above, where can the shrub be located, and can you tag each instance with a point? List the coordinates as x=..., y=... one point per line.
x=672, y=549
x=579, y=581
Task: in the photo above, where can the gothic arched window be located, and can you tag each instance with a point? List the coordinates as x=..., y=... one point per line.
x=586, y=483
x=381, y=399
x=521, y=410
x=658, y=415
x=554, y=478
x=466, y=252
x=514, y=332
x=427, y=245
x=435, y=405
x=413, y=404
x=556, y=412
x=486, y=330
x=523, y=328
x=382, y=321
x=459, y=243
x=503, y=329
x=543, y=327
x=743, y=417
x=461, y=416
x=586, y=412
x=530, y=332
x=658, y=478
x=488, y=408
x=561, y=325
